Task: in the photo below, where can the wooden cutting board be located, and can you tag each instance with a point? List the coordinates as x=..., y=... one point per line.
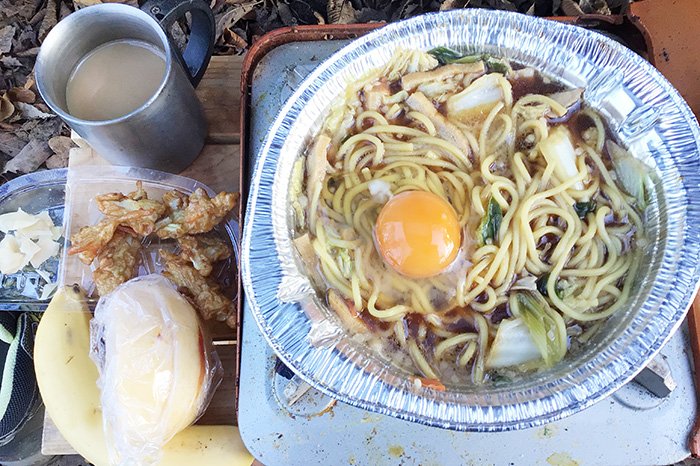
x=218, y=167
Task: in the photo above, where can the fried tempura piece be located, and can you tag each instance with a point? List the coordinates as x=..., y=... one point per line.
x=195, y=214
x=89, y=241
x=205, y=296
x=133, y=210
x=117, y=261
x=203, y=251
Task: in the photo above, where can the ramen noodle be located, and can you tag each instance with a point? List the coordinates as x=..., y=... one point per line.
x=468, y=217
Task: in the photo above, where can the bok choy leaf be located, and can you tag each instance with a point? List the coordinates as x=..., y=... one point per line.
x=490, y=223
x=512, y=346
x=546, y=326
x=632, y=173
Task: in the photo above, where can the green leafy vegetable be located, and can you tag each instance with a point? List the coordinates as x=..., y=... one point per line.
x=546, y=326
x=496, y=65
x=584, y=208
x=633, y=174
x=512, y=346
x=490, y=223
x=446, y=56
x=542, y=286
x=344, y=262
x=559, y=152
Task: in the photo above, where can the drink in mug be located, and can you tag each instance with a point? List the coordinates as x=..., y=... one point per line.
x=111, y=73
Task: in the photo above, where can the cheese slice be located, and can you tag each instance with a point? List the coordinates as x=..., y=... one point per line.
x=12, y=259
x=17, y=220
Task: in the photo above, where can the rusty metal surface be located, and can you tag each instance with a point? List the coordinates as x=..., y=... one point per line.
x=671, y=28
x=632, y=427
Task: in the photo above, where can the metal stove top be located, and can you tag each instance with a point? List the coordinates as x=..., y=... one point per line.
x=284, y=422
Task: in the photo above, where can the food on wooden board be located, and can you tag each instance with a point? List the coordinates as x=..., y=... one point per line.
x=132, y=218
x=29, y=240
x=203, y=293
x=117, y=261
x=134, y=210
x=68, y=383
x=157, y=367
x=197, y=213
x=203, y=251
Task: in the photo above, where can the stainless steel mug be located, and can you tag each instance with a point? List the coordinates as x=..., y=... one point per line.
x=167, y=132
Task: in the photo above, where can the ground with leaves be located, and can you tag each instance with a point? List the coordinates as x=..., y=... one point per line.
x=33, y=138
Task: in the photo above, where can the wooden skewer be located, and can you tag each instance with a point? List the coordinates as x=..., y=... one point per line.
x=694, y=333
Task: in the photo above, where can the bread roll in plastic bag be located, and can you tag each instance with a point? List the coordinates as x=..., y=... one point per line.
x=157, y=367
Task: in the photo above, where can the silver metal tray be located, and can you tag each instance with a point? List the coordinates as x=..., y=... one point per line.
x=649, y=117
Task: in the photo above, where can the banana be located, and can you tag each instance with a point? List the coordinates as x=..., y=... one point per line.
x=67, y=380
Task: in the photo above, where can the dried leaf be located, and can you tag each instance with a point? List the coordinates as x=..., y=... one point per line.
x=10, y=144
x=6, y=35
x=286, y=15
x=453, y=4
x=42, y=130
x=571, y=8
x=234, y=40
x=595, y=7
x=61, y=144
x=57, y=161
x=340, y=12
x=368, y=15
x=20, y=94
x=29, y=84
x=30, y=112
x=50, y=19
x=232, y=16
x=39, y=16
x=29, y=158
x=83, y=3
x=64, y=11
x=303, y=12
x=6, y=108
x=10, y=62
x=32, y=52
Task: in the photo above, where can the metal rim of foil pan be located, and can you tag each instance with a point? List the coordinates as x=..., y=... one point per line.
x=645, y=113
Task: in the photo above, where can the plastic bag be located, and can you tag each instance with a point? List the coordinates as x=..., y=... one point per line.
x=158, y=370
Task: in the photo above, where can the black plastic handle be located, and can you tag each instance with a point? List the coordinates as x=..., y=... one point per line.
x=200, y=45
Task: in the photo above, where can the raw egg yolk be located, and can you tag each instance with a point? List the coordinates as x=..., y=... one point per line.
x=418, y=234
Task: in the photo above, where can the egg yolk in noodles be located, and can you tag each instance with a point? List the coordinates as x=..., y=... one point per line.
x=418, y=234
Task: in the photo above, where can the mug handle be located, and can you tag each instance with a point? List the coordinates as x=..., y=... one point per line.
x=200, y=45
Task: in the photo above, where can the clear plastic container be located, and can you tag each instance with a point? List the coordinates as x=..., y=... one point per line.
x=33, y=193
x=86, y=182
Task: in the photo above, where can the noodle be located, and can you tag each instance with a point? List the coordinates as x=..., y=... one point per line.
x=565, y=237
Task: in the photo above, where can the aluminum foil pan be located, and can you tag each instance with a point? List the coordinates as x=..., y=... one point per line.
x=643, y=109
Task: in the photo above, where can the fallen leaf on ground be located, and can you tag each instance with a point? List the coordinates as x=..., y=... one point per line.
x=10, y=62
x=83, y=3
x=6, y=35
x=29, y=158
x=20, y=94
x=340, y=12
x=6, y=108
x=61, y=144
x=57, y=161
x=30, y=112
x=232, y=16
x=10, y=144
x=50, y=19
